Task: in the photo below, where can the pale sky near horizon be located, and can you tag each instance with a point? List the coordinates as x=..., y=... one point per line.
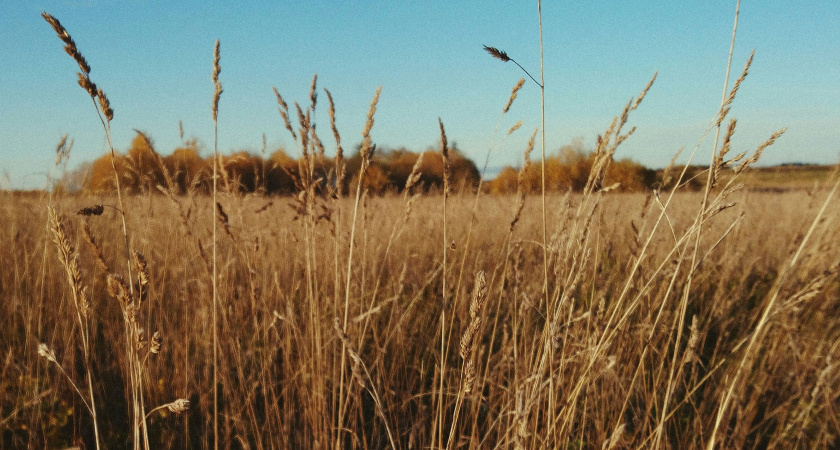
x=153, y=59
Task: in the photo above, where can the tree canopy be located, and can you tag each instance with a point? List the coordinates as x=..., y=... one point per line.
x=142, y=169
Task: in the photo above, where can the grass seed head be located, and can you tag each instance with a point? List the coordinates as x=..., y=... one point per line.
x=367, y=148
x=444, y=151
x=118, y=289
x=46, y=352
x=104, y=104
x=217, y=86
x=95, y=210
x=513, y=95
x=157, y=341
x=496, y=53
x=178, y=406
x=69, y=44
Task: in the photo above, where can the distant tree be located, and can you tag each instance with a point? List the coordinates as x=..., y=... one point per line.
x=101, y=178
x=569, y=169
x=632, y=175
x=142, y=169
x=376, y=181
x=465, y=174
x=244, y=171
x=145, y=170
x=280, y=174
x=188, y=170
x=505, y=182
x=396, y=166
x=399, y=163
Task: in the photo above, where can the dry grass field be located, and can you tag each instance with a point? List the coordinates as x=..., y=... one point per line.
x=337, y=318
x=637, y=342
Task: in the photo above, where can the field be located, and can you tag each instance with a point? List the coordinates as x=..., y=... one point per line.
x=181, y=304
x=781, y=178
x=613, y=354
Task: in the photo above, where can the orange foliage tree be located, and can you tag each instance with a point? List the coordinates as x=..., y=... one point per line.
x=145, y=167
x=569, y=169
x=187, y=169
x=396, y=165
x=141, y=169
x=280, y=174
x=101, y=175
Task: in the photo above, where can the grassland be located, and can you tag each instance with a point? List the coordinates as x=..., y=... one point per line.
x=786, y=177
x=682, y=317
x=627, y=353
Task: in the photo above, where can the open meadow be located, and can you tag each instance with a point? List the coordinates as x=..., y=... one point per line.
x=639, y=338
x=392, y=299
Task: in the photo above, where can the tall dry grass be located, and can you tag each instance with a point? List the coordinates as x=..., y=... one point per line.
x=610, y=361
x=610, y=358
x=602, y=319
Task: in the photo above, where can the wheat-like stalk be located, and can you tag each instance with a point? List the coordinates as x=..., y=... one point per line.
x=217, y=93
x=103, y=110
x=48, y=353
x=362, y=376
x=513, y=93
x=142, y=269
x=339, y=151
x=123, y=293
x=468, y=345
x=284, y=113
x=444, y=152
x=97, y=249
x=410, y=182
x=503, y=57
x=69, y=260
x=520, y=182
x=178, y=406
x=366, y=152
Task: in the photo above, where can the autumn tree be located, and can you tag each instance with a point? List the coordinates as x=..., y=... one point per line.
x=141, y=169
x=569, y=169
x=101, y=175
x=506, y=182
x=188, y=170
x=145, y=169
x=396, y=165
x=282, y=170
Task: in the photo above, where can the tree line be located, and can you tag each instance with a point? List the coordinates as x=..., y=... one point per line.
x=142, y=169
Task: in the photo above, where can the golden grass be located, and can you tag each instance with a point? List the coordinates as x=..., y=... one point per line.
x=665, y=320
x=265, y=360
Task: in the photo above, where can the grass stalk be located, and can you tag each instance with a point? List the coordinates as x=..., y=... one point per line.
x=698, y=233
x=217, y=86
x=444, y=150
x=366, y=153
x=68, y=257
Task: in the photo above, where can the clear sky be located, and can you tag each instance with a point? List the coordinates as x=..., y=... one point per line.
x=153, y=59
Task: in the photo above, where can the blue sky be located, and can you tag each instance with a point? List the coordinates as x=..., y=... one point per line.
x=153, y=59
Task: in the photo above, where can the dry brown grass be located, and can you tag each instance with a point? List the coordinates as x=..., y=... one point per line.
x=607, y=373
x=666, y=320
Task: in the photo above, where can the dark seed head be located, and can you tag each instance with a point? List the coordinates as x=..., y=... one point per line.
x=496, y=53
x=91, y=211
